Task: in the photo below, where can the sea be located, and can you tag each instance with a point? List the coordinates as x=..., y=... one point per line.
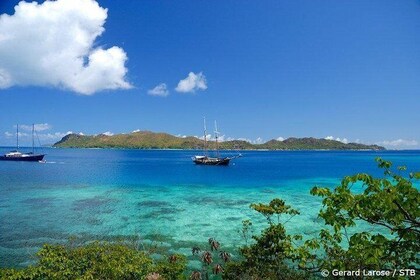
x=161, y=199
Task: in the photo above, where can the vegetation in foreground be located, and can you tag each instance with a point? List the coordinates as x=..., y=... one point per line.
x=99, y=260
x=390, y=205
x=152, y=140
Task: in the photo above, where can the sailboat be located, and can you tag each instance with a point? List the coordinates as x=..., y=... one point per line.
x=207, y=160
x=18, y=156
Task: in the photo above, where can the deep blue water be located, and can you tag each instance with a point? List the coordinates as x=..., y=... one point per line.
x=161, y=195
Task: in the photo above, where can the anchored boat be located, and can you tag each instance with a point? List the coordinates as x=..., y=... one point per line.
x=18, y=156
x=206, y=159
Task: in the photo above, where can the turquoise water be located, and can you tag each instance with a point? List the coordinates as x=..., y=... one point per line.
x=161, y=196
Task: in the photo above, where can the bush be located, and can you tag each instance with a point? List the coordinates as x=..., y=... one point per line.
x=98, y=260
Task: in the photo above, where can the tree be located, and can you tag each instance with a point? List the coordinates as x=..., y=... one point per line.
x=390, y=205
x=272, y=254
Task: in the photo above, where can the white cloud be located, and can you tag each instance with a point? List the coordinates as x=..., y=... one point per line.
x=280, y=139
x=399, y=144
x=192, y=83
x=342, y=140
x=244, y=139
x=37, y=126
x=159, y=90
x=43, y=137
x=259, y=140
x=208, y=137
x=51, y=136
x=136, y=130
x=53, y=44
x=21, y=134
x=224, y=138
x=107, y=133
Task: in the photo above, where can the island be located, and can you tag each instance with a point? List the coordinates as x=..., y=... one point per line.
x=159, y=140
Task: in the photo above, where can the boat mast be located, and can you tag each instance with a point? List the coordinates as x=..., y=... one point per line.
x=216, y=135
x=33, y=129
x=205, y=137
x=17, y=137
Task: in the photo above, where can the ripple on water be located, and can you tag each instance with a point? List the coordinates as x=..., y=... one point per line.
x=234, y=219
x=40, y=202
x=153, y=203
x=91, y=203
x=162, y=213
x=267, y=191
x=217, y=201
x=94, y=221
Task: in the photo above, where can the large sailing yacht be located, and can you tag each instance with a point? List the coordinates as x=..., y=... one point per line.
x=18, y=156
x=206, y=159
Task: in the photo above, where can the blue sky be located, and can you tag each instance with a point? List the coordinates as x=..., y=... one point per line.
x=269, y=69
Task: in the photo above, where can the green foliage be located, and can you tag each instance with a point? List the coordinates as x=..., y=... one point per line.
x=390, y=205
x=310, y=143
x=273, y=252
x=172, y=268
x=98, y=260
x=246, y=230
x=152, y=140
x=212, y=261
x=275, y=207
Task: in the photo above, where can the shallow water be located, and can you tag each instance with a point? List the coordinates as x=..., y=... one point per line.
x=162, y=196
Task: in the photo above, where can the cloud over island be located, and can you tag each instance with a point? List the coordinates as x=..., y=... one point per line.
x=192, y=83
x=53, y=44
x=42, y=131
x=400, y=144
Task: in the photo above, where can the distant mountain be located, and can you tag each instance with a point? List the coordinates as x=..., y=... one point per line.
x=310, y=143
x=153, y=140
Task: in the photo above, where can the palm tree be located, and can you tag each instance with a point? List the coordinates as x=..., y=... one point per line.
x=207, y=257
x=173, y=258
x=214, y=244
x=217, y=269
x=195, y=250
x=225, y=256
x=195, y=275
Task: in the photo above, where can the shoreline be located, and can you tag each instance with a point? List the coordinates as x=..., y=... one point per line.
x=239, y=150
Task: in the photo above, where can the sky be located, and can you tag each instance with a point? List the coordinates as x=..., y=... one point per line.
x=347, y=70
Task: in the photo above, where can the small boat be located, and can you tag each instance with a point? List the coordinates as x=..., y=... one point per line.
x=18, y=156
x=207, y=160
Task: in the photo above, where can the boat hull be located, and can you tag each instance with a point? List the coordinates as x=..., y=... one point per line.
x=25, y=158
x=209, y=161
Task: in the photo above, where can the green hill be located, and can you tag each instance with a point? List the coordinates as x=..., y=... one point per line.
x=152, y=140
